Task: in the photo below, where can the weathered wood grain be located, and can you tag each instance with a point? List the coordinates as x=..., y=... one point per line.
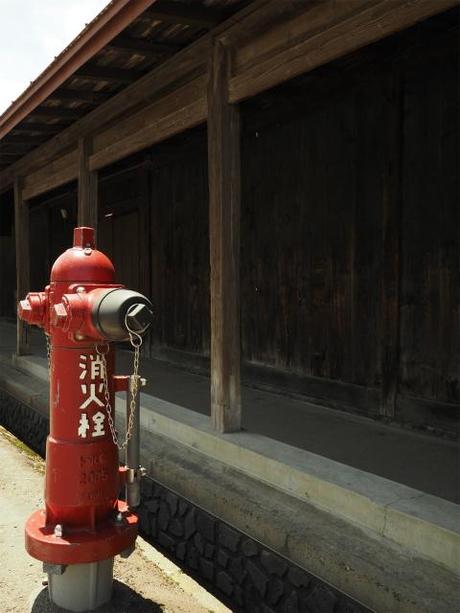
x=22, y=243
x=59, y=172
x=87, y=186
x=322, y=33
x=224, y=232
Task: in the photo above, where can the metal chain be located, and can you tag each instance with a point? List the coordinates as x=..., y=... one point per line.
x=102, y=350
x=48, y=350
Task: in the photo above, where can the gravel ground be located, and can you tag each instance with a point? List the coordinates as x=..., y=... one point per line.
x=144, y=583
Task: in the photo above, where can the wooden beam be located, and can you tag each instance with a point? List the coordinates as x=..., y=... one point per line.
x=224, y=235
x=80, y=95
x=8, y=154
x=390, y=290
x=182, y=109
x=323, y=32
x=58, y=112
x=45, y=128
x=184, y=14
x=106, y=73
x=142, y=46
x=55, y=174
x=20, y=139
x=15, y=148
x=21, y=228
x=87, y=186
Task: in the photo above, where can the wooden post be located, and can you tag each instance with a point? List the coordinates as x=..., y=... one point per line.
x=22, y=244
x=391, y=218
x=87, y=186
x=224, y=236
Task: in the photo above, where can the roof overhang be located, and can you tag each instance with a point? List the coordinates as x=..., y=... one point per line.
x=108, y=24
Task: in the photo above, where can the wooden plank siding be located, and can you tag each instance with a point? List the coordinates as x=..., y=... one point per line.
x=430, y=272
x=53, y=221
x=313, y=190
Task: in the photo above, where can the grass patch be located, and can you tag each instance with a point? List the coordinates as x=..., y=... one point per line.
x=37, y=462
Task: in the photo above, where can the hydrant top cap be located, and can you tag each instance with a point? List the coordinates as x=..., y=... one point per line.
x=82, y=262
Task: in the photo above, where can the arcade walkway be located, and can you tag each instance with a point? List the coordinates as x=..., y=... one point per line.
x=421, y=461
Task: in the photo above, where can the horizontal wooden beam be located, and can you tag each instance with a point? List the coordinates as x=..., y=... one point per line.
x=323, y=32
x=45, y=128
x=8, y=156
x=142, y=46
x=170, y=115
x=106, y=73
x=20, y=139
x=185, y=14
x=58, y=112
x=15, y=148
x=80, y=95
x=147, y=116
x=57, y=173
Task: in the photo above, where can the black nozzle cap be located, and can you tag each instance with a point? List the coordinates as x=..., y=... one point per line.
x=119, y=308
x=139, y=317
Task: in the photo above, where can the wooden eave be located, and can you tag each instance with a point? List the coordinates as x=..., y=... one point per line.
x=147, y=80
x=119, y=46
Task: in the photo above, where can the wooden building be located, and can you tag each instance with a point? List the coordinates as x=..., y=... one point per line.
x=280, y=177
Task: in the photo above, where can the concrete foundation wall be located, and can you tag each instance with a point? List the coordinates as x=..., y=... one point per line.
x=237, y=569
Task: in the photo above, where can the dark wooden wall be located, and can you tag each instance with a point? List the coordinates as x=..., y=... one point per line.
x=7, y=256
x=351, y=231
x=154, y=223
x=52, y=221
x=430, y=262
x=180, y=247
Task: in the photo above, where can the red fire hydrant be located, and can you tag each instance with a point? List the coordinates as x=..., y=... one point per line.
x=84, y=524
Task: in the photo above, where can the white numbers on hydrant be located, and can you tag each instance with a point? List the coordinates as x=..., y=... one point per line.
x=94, y=370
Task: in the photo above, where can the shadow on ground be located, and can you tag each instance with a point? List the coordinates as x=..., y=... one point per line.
x=124, y=600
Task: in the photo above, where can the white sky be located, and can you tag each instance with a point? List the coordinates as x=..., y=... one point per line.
x=32, y=33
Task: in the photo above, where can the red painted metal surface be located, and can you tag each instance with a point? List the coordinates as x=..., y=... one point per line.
x=82, y=480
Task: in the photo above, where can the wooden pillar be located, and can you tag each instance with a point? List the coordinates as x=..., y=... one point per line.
x=22, y=245
x=87, y=186
x=391, y=219
x=224, y=235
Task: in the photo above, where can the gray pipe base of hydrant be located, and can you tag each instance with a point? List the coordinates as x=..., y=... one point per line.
x=82, y=587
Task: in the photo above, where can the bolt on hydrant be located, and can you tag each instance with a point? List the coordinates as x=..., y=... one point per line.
x=84, y=524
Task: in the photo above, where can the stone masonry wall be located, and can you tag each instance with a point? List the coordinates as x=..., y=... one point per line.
x=235, y=568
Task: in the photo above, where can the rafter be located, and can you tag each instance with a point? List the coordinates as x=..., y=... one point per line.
x=51, y=111
x=16, y=148
x=142, y=46
x=184, y=14
x=20, y=139
x=78, y=95
x=106, y=73
x=46, y=128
